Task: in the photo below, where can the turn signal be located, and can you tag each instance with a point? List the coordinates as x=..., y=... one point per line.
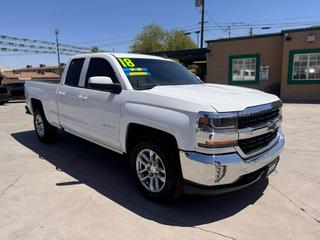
x=211, y=144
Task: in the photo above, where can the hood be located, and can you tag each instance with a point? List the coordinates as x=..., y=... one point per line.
x=223, y=98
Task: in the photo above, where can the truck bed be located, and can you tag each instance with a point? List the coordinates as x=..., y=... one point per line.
x=44, y=91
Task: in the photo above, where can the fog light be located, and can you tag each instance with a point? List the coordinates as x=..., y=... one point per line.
x=220, y=171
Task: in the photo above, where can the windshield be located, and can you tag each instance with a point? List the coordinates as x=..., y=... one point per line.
x=148, y=73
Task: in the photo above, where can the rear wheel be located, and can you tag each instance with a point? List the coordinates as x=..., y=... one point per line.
x=45, y=132
x=156, y=171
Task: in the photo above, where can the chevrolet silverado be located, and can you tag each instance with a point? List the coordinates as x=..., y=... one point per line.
x=181, y=135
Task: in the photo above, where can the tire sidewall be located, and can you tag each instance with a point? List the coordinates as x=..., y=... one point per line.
x=36, y=113
x=168, y=191
x=49, y=131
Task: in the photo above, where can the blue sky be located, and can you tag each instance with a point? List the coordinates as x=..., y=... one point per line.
x=112, y=24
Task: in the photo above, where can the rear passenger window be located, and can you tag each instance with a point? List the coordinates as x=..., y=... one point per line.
x=74, y=71
x=99, y=67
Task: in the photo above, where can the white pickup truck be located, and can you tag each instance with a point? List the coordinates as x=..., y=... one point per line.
x=180, y=134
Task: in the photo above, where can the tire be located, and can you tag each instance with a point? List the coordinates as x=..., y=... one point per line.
x=167, y=183
x=45, y=132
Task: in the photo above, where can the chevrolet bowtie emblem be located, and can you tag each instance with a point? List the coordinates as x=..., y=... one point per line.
x=272, y=126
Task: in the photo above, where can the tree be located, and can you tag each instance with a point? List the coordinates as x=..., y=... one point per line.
x=177, y=40
x=153, y=38
x=95, y=49
x=150, y=39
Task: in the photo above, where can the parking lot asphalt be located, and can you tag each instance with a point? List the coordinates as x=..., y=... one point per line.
x=73, y=189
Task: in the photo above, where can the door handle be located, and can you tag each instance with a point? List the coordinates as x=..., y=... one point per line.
x=82, y=97
x=61, y=93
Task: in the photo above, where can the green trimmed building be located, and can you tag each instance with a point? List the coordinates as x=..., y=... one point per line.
x=285, y=63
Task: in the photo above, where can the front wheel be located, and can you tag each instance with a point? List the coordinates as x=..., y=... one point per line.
x=44, y=130
x=156, y=171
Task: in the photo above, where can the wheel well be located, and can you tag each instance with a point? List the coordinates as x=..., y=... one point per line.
x=136, y=131
x=36, y=104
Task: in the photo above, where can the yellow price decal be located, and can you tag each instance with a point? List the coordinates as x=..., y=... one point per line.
x=126, y=62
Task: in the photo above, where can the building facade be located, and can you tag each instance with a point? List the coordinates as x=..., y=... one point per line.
x=8, y=77
x=29, y=73
x=42, y=69
x=286, y=63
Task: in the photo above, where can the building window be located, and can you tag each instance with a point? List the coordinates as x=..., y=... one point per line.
x=304, y=66
x=244, y=69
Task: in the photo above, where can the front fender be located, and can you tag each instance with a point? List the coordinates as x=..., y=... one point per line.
x=177, y=123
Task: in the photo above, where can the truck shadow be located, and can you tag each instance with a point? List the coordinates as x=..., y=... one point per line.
x=108, y=173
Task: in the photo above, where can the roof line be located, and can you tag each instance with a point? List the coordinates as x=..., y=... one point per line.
x=265, y=35
x=302, y=29
x=245, y=37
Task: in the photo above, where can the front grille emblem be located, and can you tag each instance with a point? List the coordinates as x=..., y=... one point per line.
x=272, y=126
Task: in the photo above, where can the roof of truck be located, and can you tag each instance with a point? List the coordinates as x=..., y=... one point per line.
x=122, y=55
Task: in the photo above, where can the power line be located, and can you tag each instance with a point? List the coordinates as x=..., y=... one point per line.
x=290, y=18
x=213, y=34
x=246, y=26
x=214, y=22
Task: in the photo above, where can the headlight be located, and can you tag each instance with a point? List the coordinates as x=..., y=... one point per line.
x=217, y=130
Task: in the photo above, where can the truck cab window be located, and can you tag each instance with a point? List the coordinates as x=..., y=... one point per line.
x=102, y=68
x=74, y=71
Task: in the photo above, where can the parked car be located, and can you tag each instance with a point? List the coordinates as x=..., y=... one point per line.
x=16, y=90
x=4, y=95
x=180, y=134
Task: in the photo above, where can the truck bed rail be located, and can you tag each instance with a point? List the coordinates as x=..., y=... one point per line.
x=53, y=81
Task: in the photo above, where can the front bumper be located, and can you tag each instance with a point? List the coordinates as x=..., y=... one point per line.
x=226, y=169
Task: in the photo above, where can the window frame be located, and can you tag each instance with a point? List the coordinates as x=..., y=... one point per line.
x=294, y=52
x=82, y=68
x=87, y=71
x=243, y=56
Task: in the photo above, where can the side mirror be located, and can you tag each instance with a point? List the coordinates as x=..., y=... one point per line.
x=104, y=84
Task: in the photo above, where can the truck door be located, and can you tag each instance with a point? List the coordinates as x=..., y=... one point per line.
x=102, y=108
x=70, y=98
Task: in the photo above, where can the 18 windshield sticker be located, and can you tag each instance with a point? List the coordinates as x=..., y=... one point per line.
x=129, y=68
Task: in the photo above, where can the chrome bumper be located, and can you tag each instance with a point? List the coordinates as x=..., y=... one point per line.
x=216, y=170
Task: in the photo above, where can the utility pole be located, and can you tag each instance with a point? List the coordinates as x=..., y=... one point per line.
x=229, y=31
x=202, y=23
x=200, y=3
x=251, y=31
x=56, y=31
x=197, y=32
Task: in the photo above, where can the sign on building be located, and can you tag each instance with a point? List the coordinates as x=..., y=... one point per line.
x=264, y=72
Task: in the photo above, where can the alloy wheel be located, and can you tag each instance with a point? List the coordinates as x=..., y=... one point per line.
x=151, y=170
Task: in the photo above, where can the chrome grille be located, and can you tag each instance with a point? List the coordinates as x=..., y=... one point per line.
x=257, y=119
x=253, y=144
